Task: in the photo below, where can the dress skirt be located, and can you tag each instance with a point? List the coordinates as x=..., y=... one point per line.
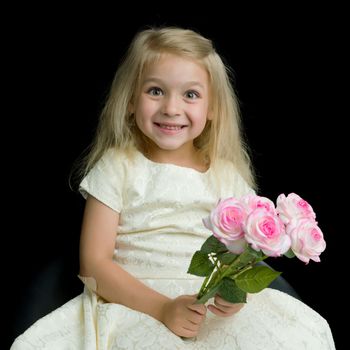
x=270, y=320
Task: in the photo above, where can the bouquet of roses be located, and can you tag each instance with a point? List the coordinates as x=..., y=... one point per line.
x=249, y=230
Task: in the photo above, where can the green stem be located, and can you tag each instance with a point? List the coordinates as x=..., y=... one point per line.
x=218, y=273
x=249, y=266
x=203, y=287
x=210, y=280
x=235, y=262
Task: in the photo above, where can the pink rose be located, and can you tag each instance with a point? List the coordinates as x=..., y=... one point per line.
x=252, y=202
x=266, y=231
x=293, y=206
x=307, y=239
x=226, y=222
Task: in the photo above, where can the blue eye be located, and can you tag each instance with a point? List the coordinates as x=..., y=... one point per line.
x=192, y=94
x=155, y=91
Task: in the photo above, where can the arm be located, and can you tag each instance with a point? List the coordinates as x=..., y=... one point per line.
x=97, y=242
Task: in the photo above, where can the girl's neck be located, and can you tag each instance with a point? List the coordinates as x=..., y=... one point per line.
x=189, y=158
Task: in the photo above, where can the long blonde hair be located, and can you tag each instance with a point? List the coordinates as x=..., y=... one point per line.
x=221, y=138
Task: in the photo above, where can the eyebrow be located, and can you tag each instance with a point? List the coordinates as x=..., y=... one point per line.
x=160, y=81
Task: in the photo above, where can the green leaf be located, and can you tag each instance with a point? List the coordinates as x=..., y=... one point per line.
x=289, y=254
x=209, y=294
x=200, y=264
x=213, y=245
x=227, y=258
x=249, y=256
x=256, y=279
x=256, y=254
x=231, y=292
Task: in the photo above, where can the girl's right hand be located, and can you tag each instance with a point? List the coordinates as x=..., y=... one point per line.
x=182, y=316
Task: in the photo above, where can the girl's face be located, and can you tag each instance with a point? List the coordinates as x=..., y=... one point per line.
x=172, y=108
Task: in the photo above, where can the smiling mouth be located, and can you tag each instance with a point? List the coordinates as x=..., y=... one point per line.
x=170, y=127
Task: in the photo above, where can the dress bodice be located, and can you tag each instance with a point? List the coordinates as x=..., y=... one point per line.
x=161, y=209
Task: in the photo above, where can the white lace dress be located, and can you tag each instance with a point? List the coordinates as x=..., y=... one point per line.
x=161, y=208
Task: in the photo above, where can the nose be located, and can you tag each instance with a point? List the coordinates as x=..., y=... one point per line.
x=171, y=106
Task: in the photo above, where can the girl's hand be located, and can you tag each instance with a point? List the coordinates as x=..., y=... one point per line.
x=182, y=316
x=224, y=308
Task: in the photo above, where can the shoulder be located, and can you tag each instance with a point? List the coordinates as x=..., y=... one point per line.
x=230, y=178
x=226, y=170
x=116, y=159
x=112, y=156
x=108, y=178
x=113, y=165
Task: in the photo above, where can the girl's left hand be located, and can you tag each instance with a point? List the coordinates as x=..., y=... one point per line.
x=224, y=308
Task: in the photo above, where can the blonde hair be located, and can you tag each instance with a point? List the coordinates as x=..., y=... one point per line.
x=220, y=139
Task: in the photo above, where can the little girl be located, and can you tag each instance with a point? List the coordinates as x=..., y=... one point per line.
x=168, y=146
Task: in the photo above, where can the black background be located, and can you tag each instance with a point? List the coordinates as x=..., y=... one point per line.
x=289, y=67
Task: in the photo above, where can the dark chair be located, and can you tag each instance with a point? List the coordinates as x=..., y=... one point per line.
x=281, y=284
x=51, y=287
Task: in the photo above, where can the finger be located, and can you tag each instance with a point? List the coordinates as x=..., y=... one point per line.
x=229, y=308
x=195, y=318
x=222, y=306
x=192, y=326
x=186, y=333
x=217, y=311
x=199, y=308
x=226, y=304
x=222, y=301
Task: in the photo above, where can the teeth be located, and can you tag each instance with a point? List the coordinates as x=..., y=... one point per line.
x=170, y=127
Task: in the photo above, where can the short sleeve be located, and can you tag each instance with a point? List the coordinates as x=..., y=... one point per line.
x=105, y=181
